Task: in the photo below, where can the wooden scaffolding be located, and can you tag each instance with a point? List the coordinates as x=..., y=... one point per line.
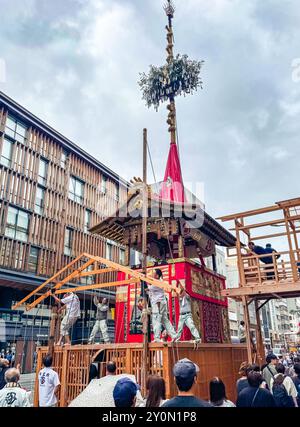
x=259, y=281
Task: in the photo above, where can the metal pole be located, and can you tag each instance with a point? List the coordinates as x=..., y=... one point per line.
x=144, y=263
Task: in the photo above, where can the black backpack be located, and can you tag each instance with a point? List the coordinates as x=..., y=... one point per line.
x=282, y=399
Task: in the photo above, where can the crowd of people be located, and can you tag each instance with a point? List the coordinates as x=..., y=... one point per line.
x=275, y=384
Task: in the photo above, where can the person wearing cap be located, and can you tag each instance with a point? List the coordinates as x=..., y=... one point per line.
x=125, y=392
x=185, y=372
x=185, y=316
x=269, y=371
x=159, y=308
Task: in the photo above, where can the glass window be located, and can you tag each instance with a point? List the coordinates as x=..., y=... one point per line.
x=109, y=251
x=39, y=200
x=17, y=224
x=6, y=155
x=104, y=184
x=122, y=256
x=87, y=220
x=117, y=195
x=76, y=190
x=15, y=129
x=43, y=167
x=63, y=159
x=33, y=259
x=68, y=241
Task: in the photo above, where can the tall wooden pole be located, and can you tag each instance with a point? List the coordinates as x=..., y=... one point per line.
x=247, y=328
x=144, y=263
x=169, y=9
x=260, y=343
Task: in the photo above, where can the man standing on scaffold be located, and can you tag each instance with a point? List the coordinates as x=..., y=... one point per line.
x=186, y=317
x=101, y=320
x=71, y=302
x=159, y=309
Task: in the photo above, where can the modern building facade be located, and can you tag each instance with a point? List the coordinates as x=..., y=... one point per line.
x=51, y=193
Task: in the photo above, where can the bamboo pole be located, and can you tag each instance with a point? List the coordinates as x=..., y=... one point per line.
x=146, y=336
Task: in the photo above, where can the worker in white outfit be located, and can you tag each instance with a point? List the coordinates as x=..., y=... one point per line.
x=71, y=302
x=101, y=320
x=185, y=316
x=159, y=308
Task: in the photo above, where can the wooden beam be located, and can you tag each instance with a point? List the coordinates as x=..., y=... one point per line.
x=62, y=282
x=46, y=283
x=249, y=213
x=96, y=286
x=265, y=289
x=93, y=272
x=247, y=328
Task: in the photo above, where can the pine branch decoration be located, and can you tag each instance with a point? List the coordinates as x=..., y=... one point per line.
x=181, y=76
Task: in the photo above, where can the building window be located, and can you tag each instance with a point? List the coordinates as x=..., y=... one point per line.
x=39, y=200
x=109, y=251
x=117, y=194
x=15, y=129
x=33, y=259
x=17, y=224
x=87, y=220
x=76, y=190
x=122, y=256
x=43, y=167
x=6, y=155
x=63, y=159
x=68, y=241
x=104, y=185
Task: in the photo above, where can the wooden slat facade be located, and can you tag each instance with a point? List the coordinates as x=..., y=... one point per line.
x=19, y=181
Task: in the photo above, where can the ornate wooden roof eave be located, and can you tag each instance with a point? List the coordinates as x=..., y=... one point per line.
x=210, y=227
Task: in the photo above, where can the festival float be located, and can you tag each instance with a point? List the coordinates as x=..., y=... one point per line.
x=169, y=226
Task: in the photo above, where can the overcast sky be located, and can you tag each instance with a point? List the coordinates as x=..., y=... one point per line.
x=75, y=64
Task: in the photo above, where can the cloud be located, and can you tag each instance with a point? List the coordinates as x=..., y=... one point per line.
x=76, y=64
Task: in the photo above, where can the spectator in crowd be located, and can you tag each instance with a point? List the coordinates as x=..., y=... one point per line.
x=243, y=381
x=48, y=384
x=12, y=395
x=296, y=380
x=111, y=368
x=156, y=392
x=290, y=371
x=185, y=373
x=255, y=396
x=124, y=393
x=270, y=370
x=93, y=372
x=4, y=366
x=283, y=389
x=99, y=392
x=217, y=393
x=9, y=356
